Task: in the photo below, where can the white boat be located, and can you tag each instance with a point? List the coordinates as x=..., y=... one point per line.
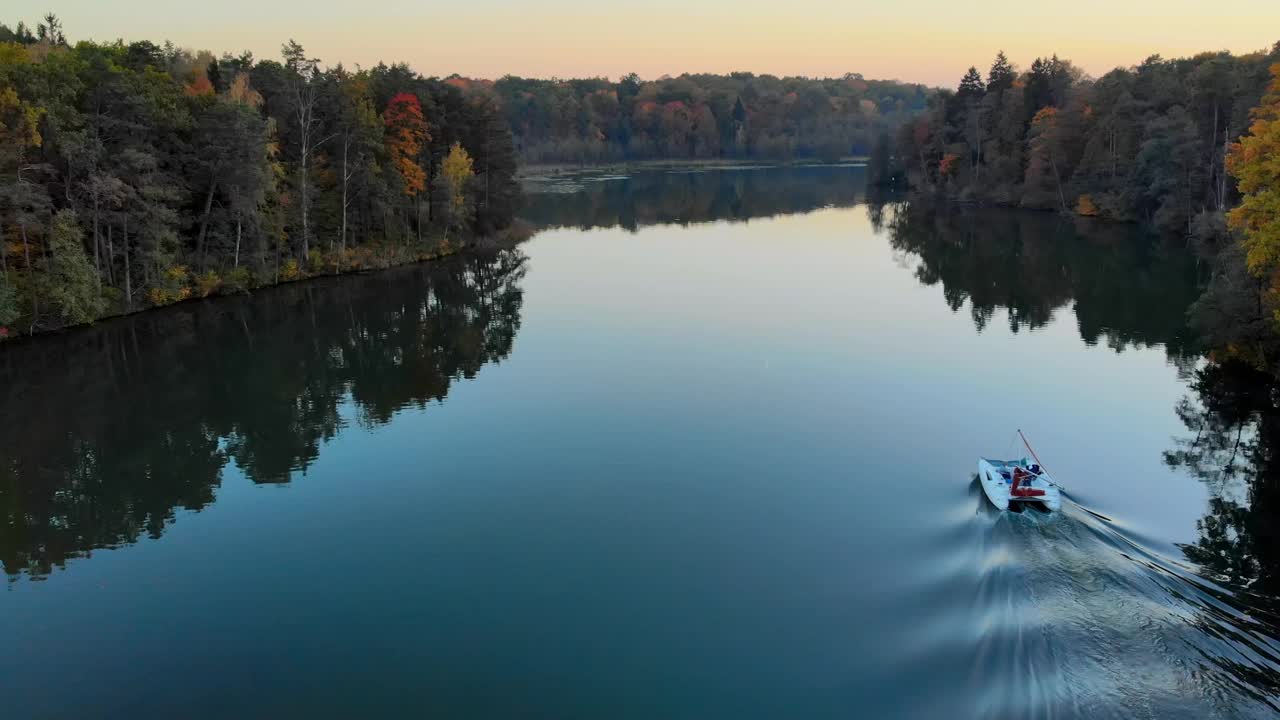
x=1017, y=482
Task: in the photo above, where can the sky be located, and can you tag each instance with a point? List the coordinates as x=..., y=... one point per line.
x=929, y=41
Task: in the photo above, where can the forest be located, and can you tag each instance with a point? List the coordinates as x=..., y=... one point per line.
x=1186, y=147
x=1147, y=143
x=137, y=175
x=740, y=115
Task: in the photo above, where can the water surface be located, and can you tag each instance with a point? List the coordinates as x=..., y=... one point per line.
x=704, y=447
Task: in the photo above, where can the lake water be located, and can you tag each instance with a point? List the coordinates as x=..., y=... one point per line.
x=704, y=447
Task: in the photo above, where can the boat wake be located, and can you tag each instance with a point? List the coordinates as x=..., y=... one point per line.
x=1203, y=639
x=1072, y=615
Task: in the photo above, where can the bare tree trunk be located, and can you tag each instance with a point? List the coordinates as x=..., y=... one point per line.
x=35, y=295
x=1226, y=147
x=1062, y=199
x=306, y=229
x=204, y=223
x=239, y=226
x=97, y=242
x=1213, y=137
x=1114, y=144
x=128, y=272
x=111, y=258
x=346, y=176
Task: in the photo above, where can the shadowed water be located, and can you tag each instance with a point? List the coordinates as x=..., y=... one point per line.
x=704, y=447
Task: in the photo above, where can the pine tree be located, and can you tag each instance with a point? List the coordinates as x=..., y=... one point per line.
x=1001, y=75
x=71, y=282
x=971, y=86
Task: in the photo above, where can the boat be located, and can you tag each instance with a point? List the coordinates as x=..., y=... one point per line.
x=1019, y=483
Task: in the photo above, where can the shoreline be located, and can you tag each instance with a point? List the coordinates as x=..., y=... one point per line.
x=543, y=170
x=510, y=237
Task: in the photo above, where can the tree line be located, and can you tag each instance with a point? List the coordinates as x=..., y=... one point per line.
x=1146, y=143
x=702, y=116
x=136, y=175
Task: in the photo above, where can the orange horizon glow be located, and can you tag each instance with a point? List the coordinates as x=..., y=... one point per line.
x=927, y=41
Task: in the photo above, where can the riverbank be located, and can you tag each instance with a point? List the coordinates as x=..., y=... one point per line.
x=180, y=285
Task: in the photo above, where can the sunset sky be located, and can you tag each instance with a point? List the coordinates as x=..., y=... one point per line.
x=930, y=41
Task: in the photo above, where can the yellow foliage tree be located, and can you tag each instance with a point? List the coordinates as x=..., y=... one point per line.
x=1255, y=163
x=455, y=173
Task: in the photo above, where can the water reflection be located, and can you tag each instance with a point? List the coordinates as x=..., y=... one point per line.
x=124, y=422
x=1234, y=448
x=1126, y=288
x=1233, y=422
x=658, y=197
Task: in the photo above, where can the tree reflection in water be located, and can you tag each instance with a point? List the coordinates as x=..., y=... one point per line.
x=661, y=197
x=1126, y=288
x=1234, y=448
x=124, y=422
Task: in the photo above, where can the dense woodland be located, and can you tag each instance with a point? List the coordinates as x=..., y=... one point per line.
x=1184, y=146
x=1147, y=143
x=741, y=115
x=135, y=175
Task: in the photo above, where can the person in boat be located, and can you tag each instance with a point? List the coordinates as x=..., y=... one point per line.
x=1021, y=476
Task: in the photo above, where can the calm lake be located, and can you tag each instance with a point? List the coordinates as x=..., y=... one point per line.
x=703, y=448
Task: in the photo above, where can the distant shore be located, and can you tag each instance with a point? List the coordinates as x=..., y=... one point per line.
x=537, y=170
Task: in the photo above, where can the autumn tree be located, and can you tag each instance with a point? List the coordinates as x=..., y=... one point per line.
x=1253, y=163
x=406, y=135
x=181, y=174
x=455, y=175
x=1044, y=172
x=24, y=202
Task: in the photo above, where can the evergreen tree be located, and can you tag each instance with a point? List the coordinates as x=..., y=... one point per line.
x=1001, y=75
x=971, y=86
x=69, y=278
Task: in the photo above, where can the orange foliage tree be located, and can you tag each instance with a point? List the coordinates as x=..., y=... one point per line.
x=406, y=135
x=1255, y=163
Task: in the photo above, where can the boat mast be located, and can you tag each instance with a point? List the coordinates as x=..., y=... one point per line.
x=1033, y=452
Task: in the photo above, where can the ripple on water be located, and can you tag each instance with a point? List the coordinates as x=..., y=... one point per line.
x=1075, y=614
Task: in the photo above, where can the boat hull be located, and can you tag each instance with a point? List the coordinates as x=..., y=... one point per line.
x=999, y=490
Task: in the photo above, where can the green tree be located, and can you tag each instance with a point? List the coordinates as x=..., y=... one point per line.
x=69, y=278
x=1001, y=75
x=8, y=304
x=1170, y=166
